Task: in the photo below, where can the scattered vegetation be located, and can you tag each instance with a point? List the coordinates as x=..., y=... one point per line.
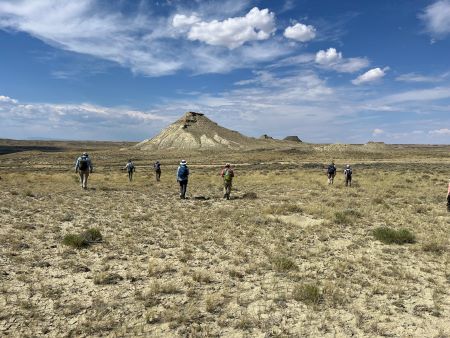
x=83, y=240
x=307, y=293
x=391, y=236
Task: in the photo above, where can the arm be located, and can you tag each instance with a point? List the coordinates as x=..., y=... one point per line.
x=77, y=164
x=91, y=167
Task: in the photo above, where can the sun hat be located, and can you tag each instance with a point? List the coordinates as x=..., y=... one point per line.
x=183, y=162
x=227, y=165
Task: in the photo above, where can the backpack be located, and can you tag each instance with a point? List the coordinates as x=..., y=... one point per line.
x=131, y=167
x=331, y=169
x=183, y=172
x=348, y=172
x=157, y=166
x=83, y=164
x=227, y=175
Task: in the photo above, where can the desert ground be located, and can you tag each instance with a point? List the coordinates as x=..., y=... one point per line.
x=287, y=256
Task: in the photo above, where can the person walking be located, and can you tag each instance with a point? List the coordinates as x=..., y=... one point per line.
x=227, y=175
x=331, y=173
x=448, y=196
x=157, y=168
x=84, y=167
x=182, y=178
x=348, y=176
x=130, y=168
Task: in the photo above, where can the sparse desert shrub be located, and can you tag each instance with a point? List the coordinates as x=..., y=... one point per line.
x=307, y=293
x=84, y=239
x=202, y=277
x=250, y=195
x=434, y=247
x=283, y=263
x=75, y=241
x=421, y=209
x=391, y=236
x=67, y=217
x=283, y=209
x=28, y=193
x=105, y=278
x=213, y=303
x=92, y=235
x=347, y=216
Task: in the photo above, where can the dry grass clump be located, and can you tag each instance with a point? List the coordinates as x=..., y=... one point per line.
x=83, y=240
x=282, y=263
x=283, y=209
x=436, y=247
x=391, y=236
x=309, y=294
x=105, y=278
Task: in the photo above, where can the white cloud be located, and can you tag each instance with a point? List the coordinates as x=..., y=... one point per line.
x=377, y=132
x=417, y=78
x=328, y=57
x=437, y=18
x=7, y=99
x=145, y=42
x=183, y=21
x=234, y=32
x=332, y=59
x=300, y=32
x=372, y=75
x=437, y=93
x=442, y=131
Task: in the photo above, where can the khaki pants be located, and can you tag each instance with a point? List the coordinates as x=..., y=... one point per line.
x=84, y=174
x=227, y=189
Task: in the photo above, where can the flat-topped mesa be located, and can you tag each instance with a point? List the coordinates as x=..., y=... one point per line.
x=195, y=131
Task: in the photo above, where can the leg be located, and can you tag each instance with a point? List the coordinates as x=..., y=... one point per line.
x=228, y=190
x=80, y=173
x=181, y=189
x=85, y=179
x=185, y=183
x=130, y=176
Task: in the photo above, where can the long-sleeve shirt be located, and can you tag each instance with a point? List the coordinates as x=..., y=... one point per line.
x=129, y=166
x=89, y=162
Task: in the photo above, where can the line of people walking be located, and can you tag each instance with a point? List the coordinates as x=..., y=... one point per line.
x=84, y=167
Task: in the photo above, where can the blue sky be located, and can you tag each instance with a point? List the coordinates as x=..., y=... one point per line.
x=325, y=70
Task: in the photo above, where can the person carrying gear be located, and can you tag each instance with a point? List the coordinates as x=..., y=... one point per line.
x=348, y=175
x=448, y=196
x=227, y=174
x=331, y=173
x=130, y=168
x=84, y=167
x=182, y=178
x=157, y=168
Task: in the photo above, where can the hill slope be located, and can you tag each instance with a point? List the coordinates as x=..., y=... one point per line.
x=196, y=131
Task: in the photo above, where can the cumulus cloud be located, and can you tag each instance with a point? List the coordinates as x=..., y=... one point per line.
x=300, y=32
x=332, y=59
x=442, y=131
x=7, y=99
x=328, y=57
x=377, y=132
x=437, y=18
x=233, y=32
x=371, y=75
x=183, y=21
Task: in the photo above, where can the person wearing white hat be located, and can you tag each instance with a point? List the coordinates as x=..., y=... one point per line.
x=348, y=175
x=227, y=174
x=182, y=178
x=84, y=167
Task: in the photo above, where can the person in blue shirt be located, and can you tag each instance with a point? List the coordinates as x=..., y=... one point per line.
x=182, y=178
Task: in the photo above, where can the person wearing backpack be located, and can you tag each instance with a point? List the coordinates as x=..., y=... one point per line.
x=84, y=167
x=157, y=168
x=130, y=168
x=348, y=175
x=227, y=174
x=182, y=178
x=448, y=196
x=331, y=173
